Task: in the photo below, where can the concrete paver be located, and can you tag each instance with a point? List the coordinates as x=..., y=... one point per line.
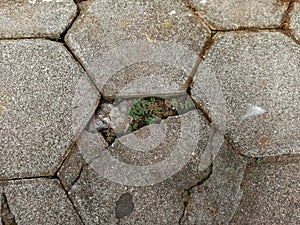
x=234, y=14
x=35, y=18
x=39, y=80
x=259, y=82
x=294, y=20
x=96, y=194
x=216, y=201
x=271, y=193
x=56, y=168
x=150, y=42
x=39, y=201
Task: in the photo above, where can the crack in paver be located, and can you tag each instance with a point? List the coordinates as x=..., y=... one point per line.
x=71, y=200
x=186, y=194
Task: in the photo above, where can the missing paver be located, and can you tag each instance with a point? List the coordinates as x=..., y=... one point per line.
x=7, y=217
x=128, y=115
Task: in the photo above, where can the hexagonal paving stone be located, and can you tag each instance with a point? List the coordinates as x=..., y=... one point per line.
x=130, y=188
x=35, y=18
x=295, y=20
x=46, y=99
x=271, y=193
x=39, y=201
x=153, y=43
x=216, y=201
x=233, y=14
x=255, y=83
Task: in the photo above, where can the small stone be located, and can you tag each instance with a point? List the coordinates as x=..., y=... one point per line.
x=101, y=124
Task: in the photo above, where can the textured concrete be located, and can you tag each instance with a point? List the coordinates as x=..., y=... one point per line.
x=258, y=79
x=96, y=198
x=56, y=168
x=87, y=148
x=167, y=147
x=39, y=201
x=128, y=44
x=295, y=20
x=216, y=201
x=271, y=193
x=233, y=14
x=39, y=81
x=20, y=19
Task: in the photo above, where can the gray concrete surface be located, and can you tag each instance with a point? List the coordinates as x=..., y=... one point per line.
x=271, y=193
x=235, y=14
x=40, y=80
x=233, y=158
x=96, y=198
x=216, y=201
x=126, y=40
x=39, y=201
x=294, y=20
x=35, y=18
x=258, y=79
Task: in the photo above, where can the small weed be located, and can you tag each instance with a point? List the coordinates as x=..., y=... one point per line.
x=257, y=161
x=147, y=111
x=213, y=33
x=143, y=112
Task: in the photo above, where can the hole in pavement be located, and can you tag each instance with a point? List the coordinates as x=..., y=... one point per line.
x=123, y=116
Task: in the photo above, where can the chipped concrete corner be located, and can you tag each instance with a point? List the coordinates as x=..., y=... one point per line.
x=150, y=112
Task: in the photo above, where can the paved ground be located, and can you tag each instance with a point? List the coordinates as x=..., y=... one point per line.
x=228, y=153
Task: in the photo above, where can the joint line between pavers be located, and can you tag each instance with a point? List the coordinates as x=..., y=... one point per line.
x=71, y=201
x=70, y=148
x=62, y=40
x=197, y=13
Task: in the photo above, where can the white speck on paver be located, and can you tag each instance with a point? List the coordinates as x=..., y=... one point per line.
x=172, y=12
x=253, y=110
x=202, y=1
